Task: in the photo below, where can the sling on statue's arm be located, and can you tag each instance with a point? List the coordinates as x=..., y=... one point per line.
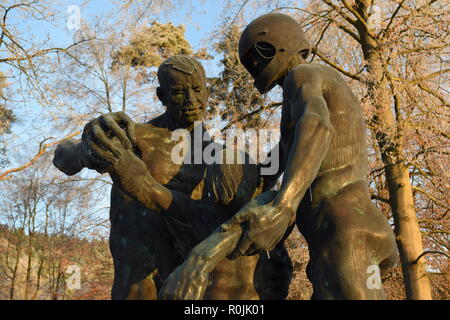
x=68, y=157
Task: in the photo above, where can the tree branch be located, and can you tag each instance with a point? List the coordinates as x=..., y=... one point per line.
x=434, y=94
x=349, y=32
x=428, y=252
x=320, y=38
x=385, y=30
x=424, y=78
x=340, y=12
x=42, y=150
x=247, y=115
x=335, y=66
x=430, y=197
x=375, y=197
x=7, y=10
x=418, y=49
x=359, y=18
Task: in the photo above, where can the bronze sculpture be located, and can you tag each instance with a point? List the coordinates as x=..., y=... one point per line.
x=142, y=240
x=324, y=189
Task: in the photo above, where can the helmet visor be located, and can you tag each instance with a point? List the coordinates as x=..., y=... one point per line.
x=258, y=57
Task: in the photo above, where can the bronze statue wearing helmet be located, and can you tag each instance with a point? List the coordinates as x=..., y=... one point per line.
x=324, y=189
x=267, y=46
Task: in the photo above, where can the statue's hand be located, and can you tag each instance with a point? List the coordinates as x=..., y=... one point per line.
x=129, y=171
x=187, y=282
x=264, y=226
x=97, y=140
x=125, y=167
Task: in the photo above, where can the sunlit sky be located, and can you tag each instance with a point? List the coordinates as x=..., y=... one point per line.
x=199, y=18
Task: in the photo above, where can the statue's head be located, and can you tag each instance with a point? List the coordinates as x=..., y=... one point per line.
x=182, y=90
x=268, y=46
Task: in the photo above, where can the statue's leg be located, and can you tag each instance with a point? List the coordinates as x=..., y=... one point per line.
x=144, y=289
x=274, y=273
x=141, y=262
x=139, y=243
x=120, y=287
x=349, y=241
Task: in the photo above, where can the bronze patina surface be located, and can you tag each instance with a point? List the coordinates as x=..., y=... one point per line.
x=324, y=189
x=160, y=210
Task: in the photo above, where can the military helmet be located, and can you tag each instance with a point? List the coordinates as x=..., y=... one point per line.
x=267, y=46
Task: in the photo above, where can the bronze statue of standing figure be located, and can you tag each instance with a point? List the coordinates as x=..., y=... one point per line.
x=324, y=189
x=159, y=209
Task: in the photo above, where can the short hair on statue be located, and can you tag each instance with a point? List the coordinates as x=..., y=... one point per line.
x=182, y=63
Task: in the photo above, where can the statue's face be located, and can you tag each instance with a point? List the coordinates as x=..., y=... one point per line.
x=185, y=97
x=258, y=57
x=267, y=47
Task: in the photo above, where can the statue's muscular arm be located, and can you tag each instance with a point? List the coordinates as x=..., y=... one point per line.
x=308, y=111
x=134, y=178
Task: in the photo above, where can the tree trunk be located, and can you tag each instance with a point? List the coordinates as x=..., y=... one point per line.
x=12, y=288
x=408, y=237
x=15, y=272
x=389, y=138
x=409, y=240
x=29, y=268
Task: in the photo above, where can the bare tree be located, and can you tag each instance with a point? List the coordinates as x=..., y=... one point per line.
x=46, y=217
x=394, y=54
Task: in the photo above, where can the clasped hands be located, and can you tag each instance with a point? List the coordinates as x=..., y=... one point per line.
x=260, y=225
x=264, y=226
x=107, y=145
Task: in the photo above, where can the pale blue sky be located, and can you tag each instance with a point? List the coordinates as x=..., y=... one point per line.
x=192, y=14
x=200, y=19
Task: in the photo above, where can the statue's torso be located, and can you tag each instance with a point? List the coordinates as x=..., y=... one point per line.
x=346, y=158
x=230, y=280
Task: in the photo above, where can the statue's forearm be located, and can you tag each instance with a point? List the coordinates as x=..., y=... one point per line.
x=68, y=157
x=208, y=253
x=190, y=279
x=134, y=178
x=152, y=194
